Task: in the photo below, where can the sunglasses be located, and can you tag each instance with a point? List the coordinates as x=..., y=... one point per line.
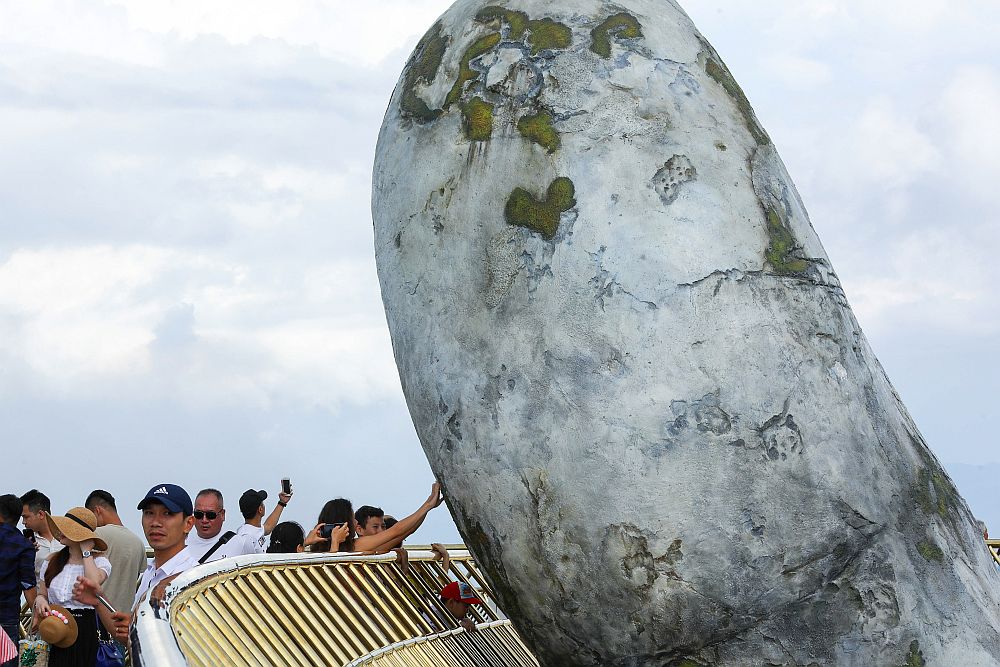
x=211, y=516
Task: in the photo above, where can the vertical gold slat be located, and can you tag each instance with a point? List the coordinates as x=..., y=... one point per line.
x=190, y=635
x=280, y=644
x=311, y=616
x=351, y=645
x=392, y=603
x=287, y=617
x=369, y=632
x=336, y=633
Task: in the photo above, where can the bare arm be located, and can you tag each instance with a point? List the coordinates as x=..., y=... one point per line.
x=403, y=528
x=272, y=519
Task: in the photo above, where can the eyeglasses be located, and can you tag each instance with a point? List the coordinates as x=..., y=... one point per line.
x=199, y=515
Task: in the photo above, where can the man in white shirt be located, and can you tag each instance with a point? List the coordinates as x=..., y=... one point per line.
x=207, y=542
x=36, y=506
x=256, y=529
x=167, y=518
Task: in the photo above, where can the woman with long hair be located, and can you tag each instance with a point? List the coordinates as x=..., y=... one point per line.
x=340, y=514
x=78, y=558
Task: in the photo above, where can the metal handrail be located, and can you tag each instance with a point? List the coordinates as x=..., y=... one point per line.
x=322, y=608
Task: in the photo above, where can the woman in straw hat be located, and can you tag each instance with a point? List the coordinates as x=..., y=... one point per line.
x=57, y=576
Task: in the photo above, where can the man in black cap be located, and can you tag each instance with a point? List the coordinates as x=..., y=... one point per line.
x=257, y=528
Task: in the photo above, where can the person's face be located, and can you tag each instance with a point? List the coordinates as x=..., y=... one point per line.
x=208, y=528
x=457, y=608
x=164, y=529
x=33, y=520
x=373, y=526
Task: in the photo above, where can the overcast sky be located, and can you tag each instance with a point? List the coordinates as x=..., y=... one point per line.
x=187, y=282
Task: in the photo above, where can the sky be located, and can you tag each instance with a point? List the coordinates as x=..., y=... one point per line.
x=187, y=282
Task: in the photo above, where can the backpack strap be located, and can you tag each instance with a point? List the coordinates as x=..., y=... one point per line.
x=222, y=540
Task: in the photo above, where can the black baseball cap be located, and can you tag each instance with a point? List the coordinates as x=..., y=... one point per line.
x=250, y=501
x=171, y=496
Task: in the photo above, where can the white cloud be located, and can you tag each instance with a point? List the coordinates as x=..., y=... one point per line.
x=970, y=106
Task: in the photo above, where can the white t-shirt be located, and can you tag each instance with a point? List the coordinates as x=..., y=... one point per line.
x=236, y=546
x=61, y=590
x=181, y=562
x=255, y=536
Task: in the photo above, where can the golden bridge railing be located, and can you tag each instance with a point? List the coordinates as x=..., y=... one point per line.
x=332, y=609
x=496, y=642
x=994, y=546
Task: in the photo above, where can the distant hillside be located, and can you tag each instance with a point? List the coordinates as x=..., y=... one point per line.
x=979, y=485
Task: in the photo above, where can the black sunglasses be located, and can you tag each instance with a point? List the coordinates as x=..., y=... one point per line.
x=211, y=516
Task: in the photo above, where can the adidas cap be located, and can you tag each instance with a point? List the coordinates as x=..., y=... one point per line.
x=171, y=496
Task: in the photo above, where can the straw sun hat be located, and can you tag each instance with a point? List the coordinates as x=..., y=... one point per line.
x=59, y=628
x=78, y=525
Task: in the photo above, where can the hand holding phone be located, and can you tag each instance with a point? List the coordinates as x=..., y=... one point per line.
x=327, y=530
x=286, y=485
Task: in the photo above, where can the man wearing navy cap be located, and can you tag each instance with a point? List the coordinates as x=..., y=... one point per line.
x=166, y=520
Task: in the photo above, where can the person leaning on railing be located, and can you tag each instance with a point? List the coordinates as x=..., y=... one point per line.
x=339, y=513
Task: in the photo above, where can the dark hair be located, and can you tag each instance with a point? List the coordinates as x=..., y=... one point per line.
x=56, y=565
x=210, y=492
x=366, y=512
x=389, y=521
x=286, y=538
x=100, y=497
x=338, y=510
x=10, y=508
x=36, y=501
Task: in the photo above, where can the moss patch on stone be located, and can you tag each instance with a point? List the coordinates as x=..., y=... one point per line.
x=542, y=33
x=546, y=34
x=518, y=21
x=930, y=551
x=477, y=119
x=422, y=68
x=541, y=216
x=465, y=71
x=934, y=493
x=779, y=253
x=914, y=658
x=621, y=25
x=538, y=128
x=720, y=73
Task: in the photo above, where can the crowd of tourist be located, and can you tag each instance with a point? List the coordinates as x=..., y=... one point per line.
x=80, y=570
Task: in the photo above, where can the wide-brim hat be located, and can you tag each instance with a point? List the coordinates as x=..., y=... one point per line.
x=59, y=631
x=78, y=525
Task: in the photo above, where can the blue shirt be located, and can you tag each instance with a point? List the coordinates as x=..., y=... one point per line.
x=17, y=572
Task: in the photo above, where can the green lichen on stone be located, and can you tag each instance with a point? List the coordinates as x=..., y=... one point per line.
x=914, y=658
x=621, y=25
x=524, y=210
x=934, y=493
x=930, y=551
x=518, y=21
x=477, y=119
x=545, y=34
x=720, y=73
x=422, y=68
x=542, y=33
x=465, y=71
x=538, y=128
x=782, y=245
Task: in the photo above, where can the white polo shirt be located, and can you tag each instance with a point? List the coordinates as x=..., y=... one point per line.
x=236, y=546
x=182, y=561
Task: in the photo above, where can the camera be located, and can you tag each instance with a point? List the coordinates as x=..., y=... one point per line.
x=327, y=530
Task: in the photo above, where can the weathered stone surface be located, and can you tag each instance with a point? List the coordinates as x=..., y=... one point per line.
x=631, y=364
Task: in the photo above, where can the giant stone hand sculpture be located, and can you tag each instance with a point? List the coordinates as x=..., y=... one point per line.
x=632, y=366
